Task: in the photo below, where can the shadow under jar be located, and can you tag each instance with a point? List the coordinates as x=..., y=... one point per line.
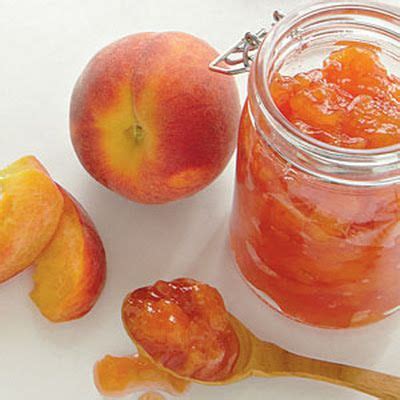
x=315, y=227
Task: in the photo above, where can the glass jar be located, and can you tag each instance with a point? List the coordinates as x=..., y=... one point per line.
x=315, y=228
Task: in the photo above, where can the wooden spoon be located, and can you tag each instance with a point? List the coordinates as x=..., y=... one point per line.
x=262, y=359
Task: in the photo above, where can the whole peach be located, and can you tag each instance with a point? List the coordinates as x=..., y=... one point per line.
x=150, y=121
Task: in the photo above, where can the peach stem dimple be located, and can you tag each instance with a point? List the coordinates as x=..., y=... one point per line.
x=137, y=132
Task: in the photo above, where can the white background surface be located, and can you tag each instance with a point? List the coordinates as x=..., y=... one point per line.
x=44, y=46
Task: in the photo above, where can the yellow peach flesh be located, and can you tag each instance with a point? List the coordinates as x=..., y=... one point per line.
x=58, y=269
x=70, y=273
x=30, y=209
x=24, y=163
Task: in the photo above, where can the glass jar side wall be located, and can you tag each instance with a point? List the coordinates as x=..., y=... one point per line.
x=321, y=253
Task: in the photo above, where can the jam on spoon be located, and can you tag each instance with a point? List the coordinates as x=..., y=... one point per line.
x=184, y=326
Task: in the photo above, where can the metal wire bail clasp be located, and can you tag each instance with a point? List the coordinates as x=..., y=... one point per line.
x=238, y=58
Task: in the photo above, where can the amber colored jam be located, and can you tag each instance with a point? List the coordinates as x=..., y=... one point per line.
x=351, y=102
x=322, y=253
x=184, y=326
x=119, y=376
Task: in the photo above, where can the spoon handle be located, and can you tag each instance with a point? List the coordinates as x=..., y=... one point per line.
x=284, y=363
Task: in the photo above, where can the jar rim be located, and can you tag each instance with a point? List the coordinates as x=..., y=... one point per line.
x=292, y=134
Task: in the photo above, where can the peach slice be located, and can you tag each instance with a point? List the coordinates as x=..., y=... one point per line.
x=119, y=376
x=70, y=273
x=30, y=209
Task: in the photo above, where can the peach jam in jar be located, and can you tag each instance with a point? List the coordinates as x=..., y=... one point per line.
x=315, y=227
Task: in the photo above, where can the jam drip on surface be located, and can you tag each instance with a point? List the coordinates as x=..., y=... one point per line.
x=184, y=326
x=151, y=396
x=119, y=376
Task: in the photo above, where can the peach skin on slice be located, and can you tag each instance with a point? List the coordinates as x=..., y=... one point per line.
x=120, y=376
x=70, y=273
x=30, y=209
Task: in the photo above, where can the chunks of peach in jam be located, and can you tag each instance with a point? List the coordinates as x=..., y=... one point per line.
x=326, y=254
x=184, y=326
x=351, y=102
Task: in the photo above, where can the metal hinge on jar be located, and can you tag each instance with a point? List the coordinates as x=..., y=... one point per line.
x=238, y=58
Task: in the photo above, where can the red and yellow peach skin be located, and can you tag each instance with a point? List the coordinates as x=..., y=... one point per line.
x=150, y=121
